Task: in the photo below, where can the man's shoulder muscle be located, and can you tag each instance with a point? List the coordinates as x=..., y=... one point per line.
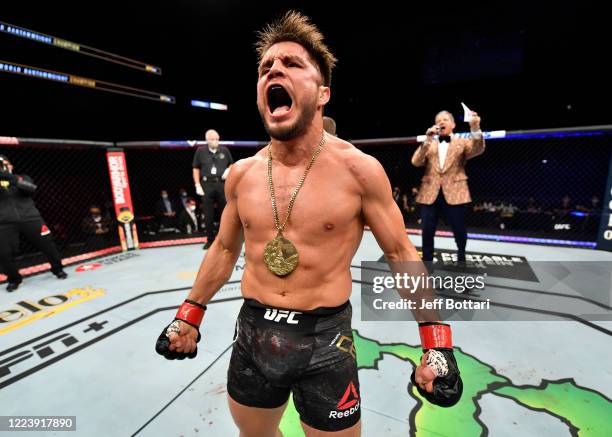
x=363, y=167
x=240, y=168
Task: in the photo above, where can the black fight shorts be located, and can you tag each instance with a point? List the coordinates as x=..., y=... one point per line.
x=308, y=353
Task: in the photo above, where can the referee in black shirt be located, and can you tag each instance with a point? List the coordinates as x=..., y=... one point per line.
x=210, y=168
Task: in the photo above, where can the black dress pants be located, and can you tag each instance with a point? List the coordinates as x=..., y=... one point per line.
x=35, y=234
x=455, y=216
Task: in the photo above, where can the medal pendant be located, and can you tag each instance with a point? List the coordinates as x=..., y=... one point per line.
x=281, y=256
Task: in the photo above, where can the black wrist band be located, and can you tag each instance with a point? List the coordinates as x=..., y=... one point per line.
x=196, y=304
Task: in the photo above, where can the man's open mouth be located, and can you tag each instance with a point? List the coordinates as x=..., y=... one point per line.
x=279, y=101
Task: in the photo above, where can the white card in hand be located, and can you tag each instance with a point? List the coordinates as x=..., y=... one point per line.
x=467, y=113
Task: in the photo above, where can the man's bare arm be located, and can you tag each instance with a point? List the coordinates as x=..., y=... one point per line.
x=383, y=216
x=442, y=387
x=179, y=339
x=218, y=264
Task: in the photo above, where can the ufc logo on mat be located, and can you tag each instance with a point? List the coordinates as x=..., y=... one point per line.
x=278, y=315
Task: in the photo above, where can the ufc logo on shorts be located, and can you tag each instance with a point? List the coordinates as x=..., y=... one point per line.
x=278, y=315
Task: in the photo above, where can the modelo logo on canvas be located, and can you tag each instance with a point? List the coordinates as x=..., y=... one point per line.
x=25, y=311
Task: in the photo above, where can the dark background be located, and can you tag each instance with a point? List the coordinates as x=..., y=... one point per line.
x=521, y=65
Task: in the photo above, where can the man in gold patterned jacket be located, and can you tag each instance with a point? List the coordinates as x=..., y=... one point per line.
x=444, y=188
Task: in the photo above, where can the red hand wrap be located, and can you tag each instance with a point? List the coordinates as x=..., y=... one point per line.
x=436, y=335
x=191, y=312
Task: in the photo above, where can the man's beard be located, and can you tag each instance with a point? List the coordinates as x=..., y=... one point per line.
x=287, y=133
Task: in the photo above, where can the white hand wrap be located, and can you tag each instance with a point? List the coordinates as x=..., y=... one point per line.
x=437, y=363
x=173, y=327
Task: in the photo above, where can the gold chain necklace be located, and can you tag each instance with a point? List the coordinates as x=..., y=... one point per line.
x=280, y=255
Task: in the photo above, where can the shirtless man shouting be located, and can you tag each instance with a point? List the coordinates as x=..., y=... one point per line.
x=299, y=206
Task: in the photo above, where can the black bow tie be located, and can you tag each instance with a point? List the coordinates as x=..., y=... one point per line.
x=446, y=138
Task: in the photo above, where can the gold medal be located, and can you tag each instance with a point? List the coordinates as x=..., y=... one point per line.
x=280, y=255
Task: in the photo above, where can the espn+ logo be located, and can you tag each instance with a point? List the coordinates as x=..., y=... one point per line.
x=279, y=315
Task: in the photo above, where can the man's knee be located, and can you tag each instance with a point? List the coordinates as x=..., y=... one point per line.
x=256, y=422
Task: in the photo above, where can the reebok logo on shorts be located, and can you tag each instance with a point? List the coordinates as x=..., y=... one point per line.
x=348, y=405
x=278, y=315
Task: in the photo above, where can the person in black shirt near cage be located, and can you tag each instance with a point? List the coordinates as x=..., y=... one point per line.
x=18, y=214
x=210, y=168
